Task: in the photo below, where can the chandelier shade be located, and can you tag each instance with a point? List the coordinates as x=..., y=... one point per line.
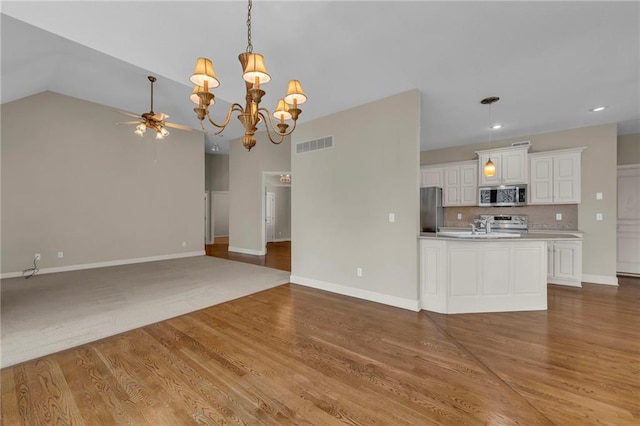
x=250, y=114
x=204, y=75
x=195, y=98
x=255, y=71
x=282, y=111
x=295, y=94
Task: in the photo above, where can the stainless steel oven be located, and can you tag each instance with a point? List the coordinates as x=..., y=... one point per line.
x=514, y=195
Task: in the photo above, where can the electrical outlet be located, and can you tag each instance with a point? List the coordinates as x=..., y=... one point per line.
x=60, y=254
x=459, y=216
x=598, y=195
x=359, y=272
x=598, y=216
x=558, y=216
x=38, y=256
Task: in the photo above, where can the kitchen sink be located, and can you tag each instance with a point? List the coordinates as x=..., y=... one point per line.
x=469, y=234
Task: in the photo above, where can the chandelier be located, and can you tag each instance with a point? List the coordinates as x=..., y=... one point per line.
x=254, y=75
x=285, y=178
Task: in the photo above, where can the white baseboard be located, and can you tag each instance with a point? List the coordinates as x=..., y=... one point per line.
x=247, y=251
x=279, y=240
x=599, y=279
x=108, y=263
x=559, y=281
x=372, y=296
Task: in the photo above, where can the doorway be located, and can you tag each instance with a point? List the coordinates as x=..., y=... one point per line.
x=276, y=207
x=628, y=226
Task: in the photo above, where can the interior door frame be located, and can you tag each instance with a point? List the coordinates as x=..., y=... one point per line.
x=632, y=226
x=263, y=195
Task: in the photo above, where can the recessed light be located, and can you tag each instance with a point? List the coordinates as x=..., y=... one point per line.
x=598, y=109
x=496, y=127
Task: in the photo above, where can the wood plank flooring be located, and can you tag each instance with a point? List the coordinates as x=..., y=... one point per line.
x=295, y=355
x=278, y=254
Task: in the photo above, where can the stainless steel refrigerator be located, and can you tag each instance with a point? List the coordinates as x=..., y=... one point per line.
x=431, y=211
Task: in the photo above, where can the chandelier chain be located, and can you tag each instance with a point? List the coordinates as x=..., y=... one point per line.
x=249, y=45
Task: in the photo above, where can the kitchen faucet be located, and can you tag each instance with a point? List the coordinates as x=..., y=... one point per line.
x=486, y=224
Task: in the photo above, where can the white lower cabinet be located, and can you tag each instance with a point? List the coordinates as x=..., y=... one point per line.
x=475, y=276
x=564, y=263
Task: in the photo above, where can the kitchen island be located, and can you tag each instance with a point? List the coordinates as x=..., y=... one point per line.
x=485, y=273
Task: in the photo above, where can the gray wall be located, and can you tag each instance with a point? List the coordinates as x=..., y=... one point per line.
x=246, y=191
x=216, y=172
x=629, y=149
x=74, y=181
x=342, y=197
x=599, y=174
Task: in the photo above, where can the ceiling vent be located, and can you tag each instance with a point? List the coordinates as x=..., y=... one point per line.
x=523, y=143
x=314, y=145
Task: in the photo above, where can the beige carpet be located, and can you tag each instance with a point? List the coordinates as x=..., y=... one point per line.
x=52, y=312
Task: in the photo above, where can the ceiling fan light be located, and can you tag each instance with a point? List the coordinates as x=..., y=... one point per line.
x=489, y=168
x=204, y=72
x=295, y=93
x=255, y=69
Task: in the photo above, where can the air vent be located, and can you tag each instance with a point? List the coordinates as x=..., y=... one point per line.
x=314, y=145
x=523, y=143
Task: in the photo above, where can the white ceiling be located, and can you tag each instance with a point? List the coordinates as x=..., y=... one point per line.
x=549, y=62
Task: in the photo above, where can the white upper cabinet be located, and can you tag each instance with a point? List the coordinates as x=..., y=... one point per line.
x=555, y=177
x=511, y=166
x=460, y=184
x=431, y=176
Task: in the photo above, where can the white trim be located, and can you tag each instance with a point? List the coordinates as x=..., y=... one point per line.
x=108, y=263
x=398, y=302
x=599, y=279
x=560, y=281
x=247, y=251
x=629, y=166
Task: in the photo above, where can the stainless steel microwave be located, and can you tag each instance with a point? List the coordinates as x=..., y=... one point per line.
x=513, y=195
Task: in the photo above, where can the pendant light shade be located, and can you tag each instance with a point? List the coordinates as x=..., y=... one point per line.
x=295, y=95
x=282, y=111
x=489, y=168
x=196, y=99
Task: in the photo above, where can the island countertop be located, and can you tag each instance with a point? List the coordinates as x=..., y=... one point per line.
x=527, y=236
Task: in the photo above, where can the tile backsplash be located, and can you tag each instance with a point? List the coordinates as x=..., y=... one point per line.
x=540, y=217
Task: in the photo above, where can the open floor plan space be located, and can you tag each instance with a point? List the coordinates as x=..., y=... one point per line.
x=294, y=355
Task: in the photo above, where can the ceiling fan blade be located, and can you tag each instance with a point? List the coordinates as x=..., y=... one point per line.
x=128, y=122
x=178, y=126
x=126, y=113
x=160, y=116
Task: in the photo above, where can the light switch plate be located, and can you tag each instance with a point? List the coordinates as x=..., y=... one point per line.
x=598, y=195
x=598, y=216
x=392, y=217
x=459, y=216
x=558, y=216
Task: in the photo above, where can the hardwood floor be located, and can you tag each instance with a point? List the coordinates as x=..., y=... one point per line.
x=295, y=355
x=278, y=254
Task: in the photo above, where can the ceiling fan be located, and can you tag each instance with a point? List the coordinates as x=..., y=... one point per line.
x=152, y=120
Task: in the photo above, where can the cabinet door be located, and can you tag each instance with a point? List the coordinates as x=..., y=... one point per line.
x=489, y=180
x=541, y=180
x=513, y=167
x=567, y=260
x=431, y=177
x=469, y=185
x=566, y=176
x=451, y=186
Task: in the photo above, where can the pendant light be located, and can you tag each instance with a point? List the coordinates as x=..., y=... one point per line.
x=489, y=169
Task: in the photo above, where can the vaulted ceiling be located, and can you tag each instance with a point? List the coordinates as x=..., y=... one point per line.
x=549, y=62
